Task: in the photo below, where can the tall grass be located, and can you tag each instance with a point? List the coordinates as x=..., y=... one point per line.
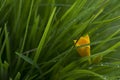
x=36, y=39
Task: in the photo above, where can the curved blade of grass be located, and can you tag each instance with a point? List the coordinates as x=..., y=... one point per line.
x=17, y=77
x=7, y=45
x=2, y=6
x=0, y=30
x=42, y=41
x=107, y=39
x=82, y=3
x=5, y=40
x=26, y=32
x=17, y=17
x=107, y=21
x=27, y=59
x=86, y=72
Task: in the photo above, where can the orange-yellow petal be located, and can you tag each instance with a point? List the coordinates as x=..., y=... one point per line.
x=85, y=50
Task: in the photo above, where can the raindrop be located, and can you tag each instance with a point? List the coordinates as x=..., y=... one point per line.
x=90, y=67
x=107, y=63
x=118, y=66
x=105, y=78
x=101, y=65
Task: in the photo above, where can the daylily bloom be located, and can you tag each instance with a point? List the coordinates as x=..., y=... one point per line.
x=85, y=50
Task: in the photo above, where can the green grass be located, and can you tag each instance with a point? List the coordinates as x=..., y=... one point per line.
x=36, y=39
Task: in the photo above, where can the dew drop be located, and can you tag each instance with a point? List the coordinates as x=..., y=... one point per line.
x=118, y=66
x=101, y=65
x=105, y=78
x=90, y=67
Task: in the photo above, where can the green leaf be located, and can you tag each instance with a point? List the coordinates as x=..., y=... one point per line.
x=27, y=59
x=17, y=77
x=42, y=41
x=79, y=72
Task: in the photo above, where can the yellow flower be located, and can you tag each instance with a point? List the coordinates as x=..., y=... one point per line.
x=85, y=50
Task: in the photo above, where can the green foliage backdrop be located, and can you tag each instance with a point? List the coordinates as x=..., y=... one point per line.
x=36, y=39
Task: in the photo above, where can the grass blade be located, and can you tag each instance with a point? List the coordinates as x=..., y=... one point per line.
x=42, y=41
